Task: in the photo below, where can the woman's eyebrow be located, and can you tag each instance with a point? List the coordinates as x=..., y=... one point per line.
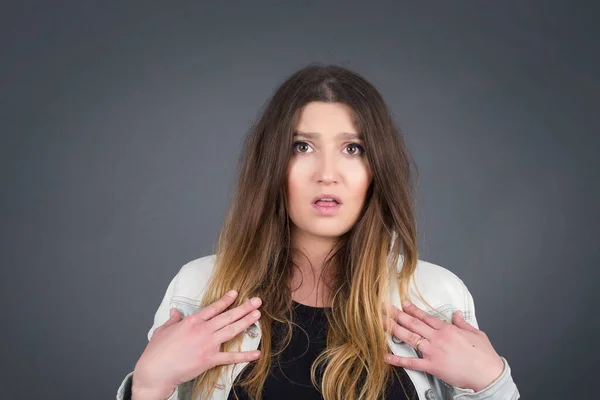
x=341, y=135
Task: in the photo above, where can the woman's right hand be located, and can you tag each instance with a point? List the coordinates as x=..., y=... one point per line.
x=183, y=348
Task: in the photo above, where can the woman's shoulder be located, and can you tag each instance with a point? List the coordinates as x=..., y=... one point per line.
x=438, y=285
x=192, y=278
x=428, y=274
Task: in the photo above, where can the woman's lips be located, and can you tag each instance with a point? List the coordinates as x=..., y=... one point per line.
x=326, y=207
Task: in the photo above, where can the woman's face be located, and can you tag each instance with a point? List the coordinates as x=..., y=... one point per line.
x=328, y=161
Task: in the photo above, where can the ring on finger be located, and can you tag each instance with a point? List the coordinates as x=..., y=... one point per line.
x=418, y=343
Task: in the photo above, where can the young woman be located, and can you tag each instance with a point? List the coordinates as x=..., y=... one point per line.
x=303, y=297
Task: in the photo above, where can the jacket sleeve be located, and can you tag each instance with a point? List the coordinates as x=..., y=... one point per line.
x=503, y=388
x=160, y=317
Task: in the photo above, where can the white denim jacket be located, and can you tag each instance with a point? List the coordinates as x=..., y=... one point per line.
x=440, y=287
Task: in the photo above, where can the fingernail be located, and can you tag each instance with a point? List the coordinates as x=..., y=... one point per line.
x=255, y=301
x=231, y=293
x=460, y=314
x=405, y=303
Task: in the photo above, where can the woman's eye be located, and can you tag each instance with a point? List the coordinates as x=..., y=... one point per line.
x=352, y=148
x=356, y=146
x=301, y=147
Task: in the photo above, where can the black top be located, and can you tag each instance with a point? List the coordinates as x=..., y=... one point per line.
x=292, y=380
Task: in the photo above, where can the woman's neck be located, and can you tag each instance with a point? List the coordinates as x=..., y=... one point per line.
x=310, y=293
x=309, y=278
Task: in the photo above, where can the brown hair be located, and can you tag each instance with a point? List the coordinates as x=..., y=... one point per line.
x=254, y=249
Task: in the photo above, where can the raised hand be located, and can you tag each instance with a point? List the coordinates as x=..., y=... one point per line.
x=183, y=348
x=458, y=353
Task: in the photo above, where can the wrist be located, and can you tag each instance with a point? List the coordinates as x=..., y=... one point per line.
x=139, y=392
x=494, y=374
x=150, y=394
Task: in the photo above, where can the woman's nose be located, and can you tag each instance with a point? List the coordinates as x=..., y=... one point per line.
x=327, y=172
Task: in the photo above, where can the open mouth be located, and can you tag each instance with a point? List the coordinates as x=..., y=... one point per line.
x=326, y=205
x=327, y=199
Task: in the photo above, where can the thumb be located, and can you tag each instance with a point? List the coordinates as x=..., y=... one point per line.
x=174, y=317
x=459, y=320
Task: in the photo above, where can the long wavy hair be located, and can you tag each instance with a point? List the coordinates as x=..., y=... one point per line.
x=254, y=251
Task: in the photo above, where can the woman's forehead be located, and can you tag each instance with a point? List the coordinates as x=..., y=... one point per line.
x=319, y=120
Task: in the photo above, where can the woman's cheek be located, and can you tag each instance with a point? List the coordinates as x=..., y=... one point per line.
x=359, y=177
x=297, y=183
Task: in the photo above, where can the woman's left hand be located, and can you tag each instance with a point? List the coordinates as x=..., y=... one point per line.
x=458, y=353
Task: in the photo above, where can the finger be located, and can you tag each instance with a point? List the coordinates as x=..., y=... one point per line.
x=174, y=317
x=407, y=336
x=216, y=308
x=460, y=322
x=414, y=324
x=416, y=364
x=230, y=331
x=235, y=314
x=235, y=357
x=415, y=311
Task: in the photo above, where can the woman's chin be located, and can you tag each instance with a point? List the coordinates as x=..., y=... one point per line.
x=329, y=231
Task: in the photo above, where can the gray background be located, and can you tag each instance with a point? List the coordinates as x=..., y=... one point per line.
x=122, y=124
